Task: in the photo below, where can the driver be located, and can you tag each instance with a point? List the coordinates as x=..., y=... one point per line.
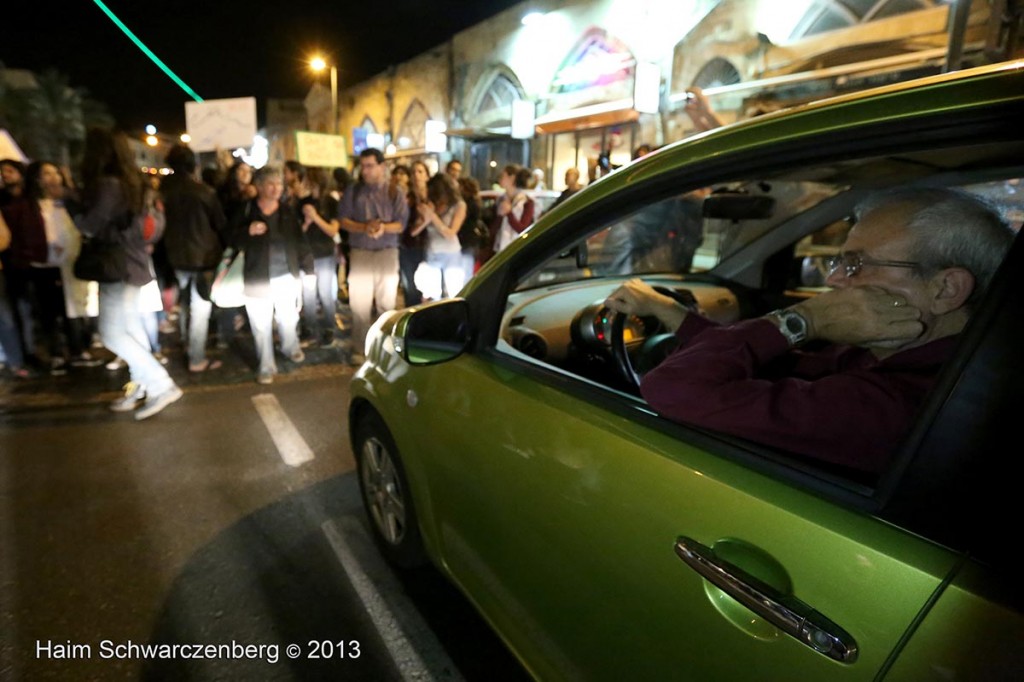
x=837, y=377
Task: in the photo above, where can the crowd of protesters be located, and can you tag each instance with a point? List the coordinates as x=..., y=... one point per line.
x=312, y=239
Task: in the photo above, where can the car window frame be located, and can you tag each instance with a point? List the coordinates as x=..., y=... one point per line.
x=982, y=123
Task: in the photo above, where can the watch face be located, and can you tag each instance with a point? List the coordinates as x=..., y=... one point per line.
x=795, y=324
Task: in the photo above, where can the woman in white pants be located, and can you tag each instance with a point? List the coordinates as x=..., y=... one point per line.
x=443, y=272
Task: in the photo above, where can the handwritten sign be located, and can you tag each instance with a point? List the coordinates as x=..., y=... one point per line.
x=221, y=123
x=9, y=149
x=320, y=150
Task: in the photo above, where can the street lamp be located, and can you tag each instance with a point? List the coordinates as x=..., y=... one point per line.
x=318, y=64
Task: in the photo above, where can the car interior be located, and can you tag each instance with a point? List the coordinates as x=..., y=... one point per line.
x=735, y=250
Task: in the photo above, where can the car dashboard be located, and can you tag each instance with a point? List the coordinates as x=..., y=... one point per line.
x=569, y=326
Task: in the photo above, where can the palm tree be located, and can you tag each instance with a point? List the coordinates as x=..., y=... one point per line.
x=57, y=120
x=49, y=121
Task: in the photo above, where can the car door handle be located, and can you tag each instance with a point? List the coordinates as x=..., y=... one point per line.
x=785, y=612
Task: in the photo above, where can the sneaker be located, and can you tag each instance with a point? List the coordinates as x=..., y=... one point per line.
x=116, y=364
x=298, y=356
x=309, y=342
x=58, y=367
x=85, y=359
x=161, y=358
x=21, y=372
x=133, y=394
x=158, y=402
x=265, y=378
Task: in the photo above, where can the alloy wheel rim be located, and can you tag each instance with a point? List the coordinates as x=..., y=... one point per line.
x=383, y=491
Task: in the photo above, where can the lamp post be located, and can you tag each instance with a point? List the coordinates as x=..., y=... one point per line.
x=318, y=64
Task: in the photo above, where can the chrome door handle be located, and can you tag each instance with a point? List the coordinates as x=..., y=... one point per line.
x=785, y=612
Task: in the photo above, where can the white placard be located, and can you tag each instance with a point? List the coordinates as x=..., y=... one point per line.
x=9, y=149
x=221, y=123
x=321, y=150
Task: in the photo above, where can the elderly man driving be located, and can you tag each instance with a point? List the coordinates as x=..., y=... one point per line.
x=838, y=377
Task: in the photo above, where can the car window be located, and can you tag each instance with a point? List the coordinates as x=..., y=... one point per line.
x=691, y=232
x=742, y=247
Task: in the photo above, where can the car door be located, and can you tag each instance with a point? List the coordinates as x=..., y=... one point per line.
x=565, y=510
x=561, y=518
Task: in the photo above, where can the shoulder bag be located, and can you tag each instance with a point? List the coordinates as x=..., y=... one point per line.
x=228, y=288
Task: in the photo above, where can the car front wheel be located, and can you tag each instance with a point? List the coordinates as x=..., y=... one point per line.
x=386, y=495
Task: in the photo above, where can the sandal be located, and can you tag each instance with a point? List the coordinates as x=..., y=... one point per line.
x=205, y=365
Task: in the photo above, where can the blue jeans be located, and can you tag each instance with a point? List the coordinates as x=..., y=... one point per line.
x=282, y=303
x=122, y=333
x=323, y=286
x=196, y=325
x=409, y=259
x=10, y=340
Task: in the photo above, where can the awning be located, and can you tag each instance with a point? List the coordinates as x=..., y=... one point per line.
x=869, y=67
x=593, y=116
x=402, y=153
x=476, y=133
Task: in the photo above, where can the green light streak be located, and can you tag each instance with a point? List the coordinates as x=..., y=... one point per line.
x=149, y=53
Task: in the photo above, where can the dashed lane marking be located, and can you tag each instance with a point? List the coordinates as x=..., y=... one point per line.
x=289, y=442
x=410, y=641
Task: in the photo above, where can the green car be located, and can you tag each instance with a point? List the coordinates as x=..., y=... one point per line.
x=500, y=436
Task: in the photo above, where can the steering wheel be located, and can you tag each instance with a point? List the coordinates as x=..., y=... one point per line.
x=620, y=354
x=656, y=346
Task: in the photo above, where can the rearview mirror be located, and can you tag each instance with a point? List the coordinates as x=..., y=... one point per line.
x=738, y=206
x=579, y=253
x=438, y=332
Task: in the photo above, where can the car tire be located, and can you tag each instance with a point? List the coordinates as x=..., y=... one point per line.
x=386, y=495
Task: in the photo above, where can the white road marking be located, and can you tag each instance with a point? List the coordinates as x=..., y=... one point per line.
x=290, y=444
x=413, y=646
x=9, y=663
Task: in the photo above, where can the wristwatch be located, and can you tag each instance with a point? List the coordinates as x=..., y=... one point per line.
x=791, y=323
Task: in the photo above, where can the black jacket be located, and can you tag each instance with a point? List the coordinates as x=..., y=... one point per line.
x=110, y=218
x=257, y=249
x=194, y=237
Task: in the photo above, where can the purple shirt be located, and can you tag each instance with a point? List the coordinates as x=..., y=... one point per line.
x=840, y=404
x=363, y=202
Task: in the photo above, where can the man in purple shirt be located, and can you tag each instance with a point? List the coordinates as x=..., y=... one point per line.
x=374, y=216
x=904, y=285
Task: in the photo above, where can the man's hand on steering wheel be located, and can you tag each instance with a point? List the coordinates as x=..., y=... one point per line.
x=636, y=297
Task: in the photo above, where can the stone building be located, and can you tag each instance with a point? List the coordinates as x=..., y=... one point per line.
x=581, y=82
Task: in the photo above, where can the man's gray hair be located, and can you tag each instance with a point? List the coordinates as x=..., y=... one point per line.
x=265, y=173
x=952, y=228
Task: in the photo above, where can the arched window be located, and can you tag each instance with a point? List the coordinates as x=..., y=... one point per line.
x=499, y=95
x=412, y=132
x=368, y=125
x=828, y=15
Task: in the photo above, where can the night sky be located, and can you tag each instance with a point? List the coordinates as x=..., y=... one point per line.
x=222, y=48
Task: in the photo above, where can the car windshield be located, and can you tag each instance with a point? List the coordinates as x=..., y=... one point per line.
x=688, y=233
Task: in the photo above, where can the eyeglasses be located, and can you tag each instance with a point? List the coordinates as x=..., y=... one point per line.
x=853, y=261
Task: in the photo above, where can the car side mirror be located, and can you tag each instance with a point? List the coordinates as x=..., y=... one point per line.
x=437, y=332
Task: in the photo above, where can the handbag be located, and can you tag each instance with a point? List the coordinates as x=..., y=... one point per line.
x=228, y=288
x=101, y=260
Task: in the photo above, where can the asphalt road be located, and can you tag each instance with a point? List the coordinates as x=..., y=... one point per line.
x=222, y=539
